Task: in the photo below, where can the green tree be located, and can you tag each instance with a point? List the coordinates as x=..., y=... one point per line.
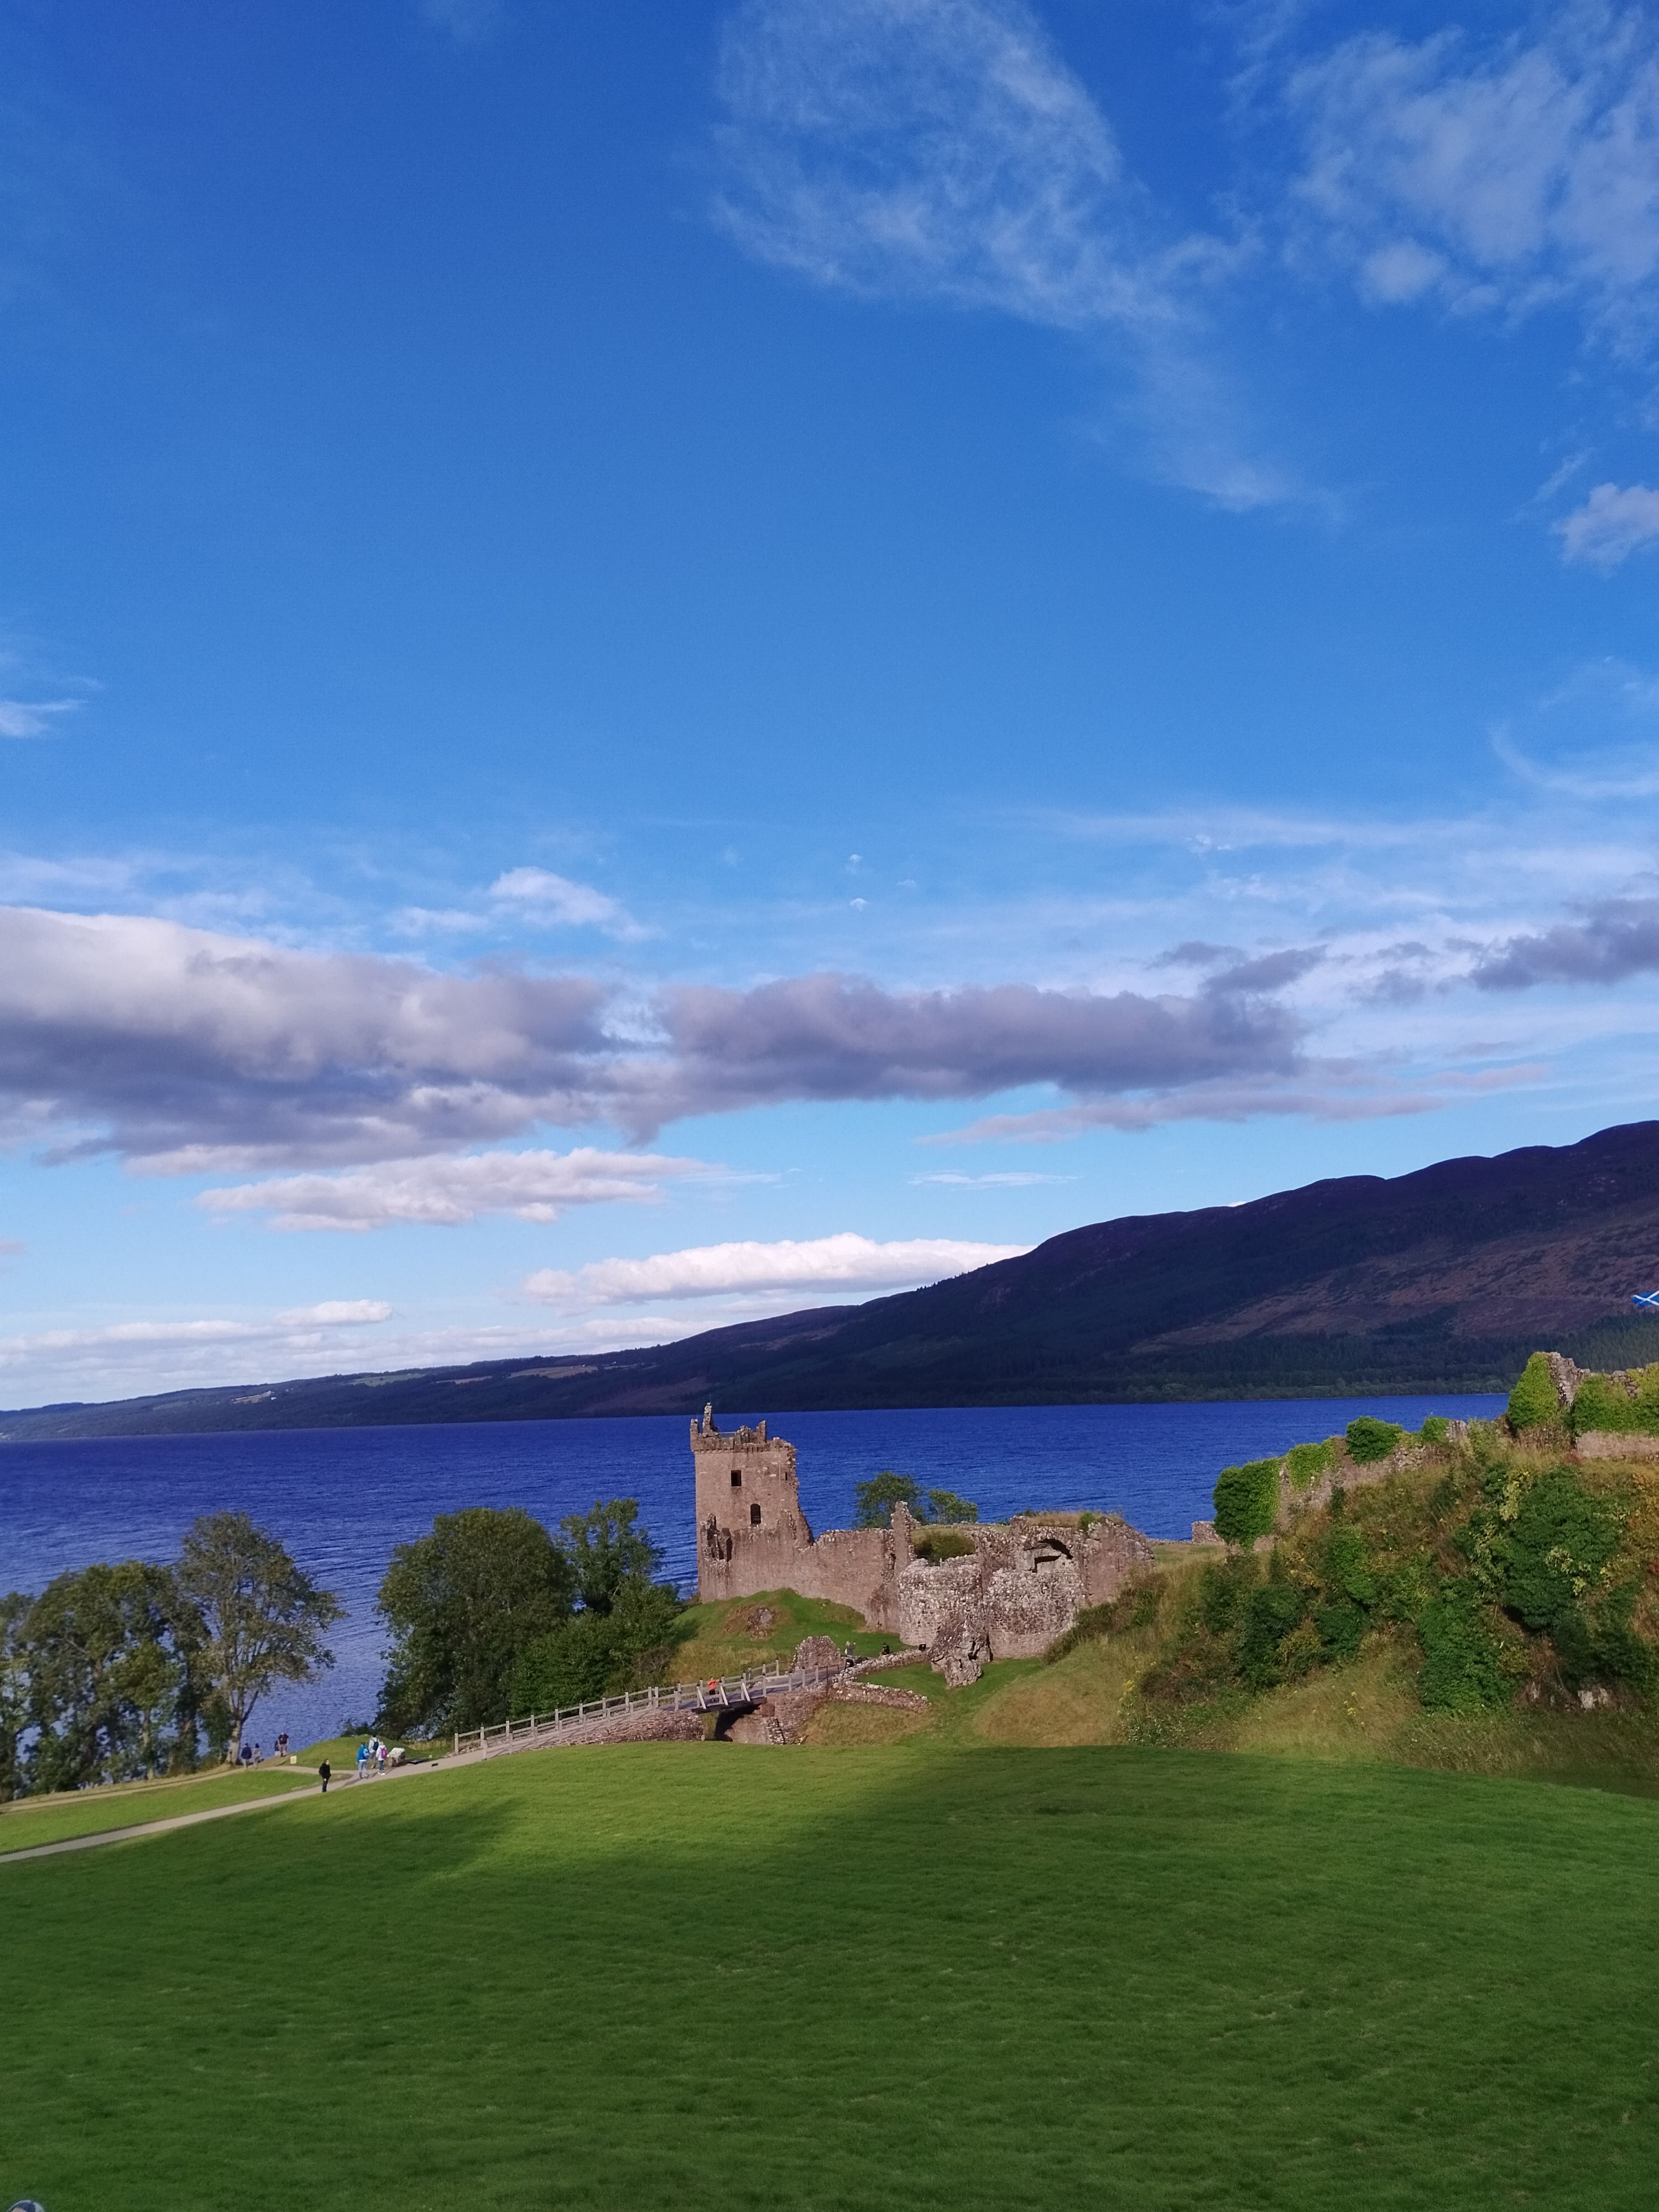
x=464, y=1605
x=15, y=1609
x=607, y=1549
x=1534, y=1397
x=263, y=1618
x=877, y=1499
x=109, y=1654
x=595, y=1655
x=945, y=1505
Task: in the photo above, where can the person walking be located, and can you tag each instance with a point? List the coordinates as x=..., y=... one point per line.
x=379, y=1759
x=325, y=1773
x=362, y=1761
x=282, y=1745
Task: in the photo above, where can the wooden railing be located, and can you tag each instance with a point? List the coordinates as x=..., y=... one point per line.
x=720, y=1693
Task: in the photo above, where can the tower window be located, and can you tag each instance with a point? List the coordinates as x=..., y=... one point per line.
x=754, y=1517
x=737, y=1478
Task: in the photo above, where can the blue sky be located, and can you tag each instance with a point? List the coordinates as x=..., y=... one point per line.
x=660, y=664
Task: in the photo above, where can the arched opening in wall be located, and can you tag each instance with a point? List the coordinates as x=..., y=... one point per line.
x=754, y=1517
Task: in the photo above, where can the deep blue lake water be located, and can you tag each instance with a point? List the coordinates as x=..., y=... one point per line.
x=340, y=1498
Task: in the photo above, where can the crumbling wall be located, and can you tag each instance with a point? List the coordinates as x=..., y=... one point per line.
x=1021, y=1586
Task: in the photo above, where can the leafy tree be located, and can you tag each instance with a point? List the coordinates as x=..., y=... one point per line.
x=605, y=1550
x=464, y=1605
x=263, y=1617
x=15, y=1609
x=109, y=1654
x=877, y=1499
x=1246, y=1501
x=1534, y=1397
x=945, y=1505
x=594, y=1654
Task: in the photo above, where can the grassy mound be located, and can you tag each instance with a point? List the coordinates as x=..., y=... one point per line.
x=687, y=1977
x=736, y=1633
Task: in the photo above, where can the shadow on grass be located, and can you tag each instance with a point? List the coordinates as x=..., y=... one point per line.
x=686, y=1977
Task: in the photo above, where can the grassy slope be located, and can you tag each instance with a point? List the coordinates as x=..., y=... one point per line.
x=727, y=1638
x=680, y=1977
x=1364, y=1711
x=49, y=1820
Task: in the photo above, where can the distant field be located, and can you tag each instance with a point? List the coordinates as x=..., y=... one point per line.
x=925, y=1975
x=51, y=1819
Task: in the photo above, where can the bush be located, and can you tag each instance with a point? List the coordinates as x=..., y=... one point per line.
x=1270, y=1613
x=1556, y=1550
x=1305, y=1463
x=1246, y=1501
x=1435, y=1429
x=1534, y=1398
x=1600, y=1404
x=1463, y=1669
x=938, y=1543
x=1370, y=1439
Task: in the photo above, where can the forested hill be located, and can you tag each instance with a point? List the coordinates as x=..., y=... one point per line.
x=1443, y=1279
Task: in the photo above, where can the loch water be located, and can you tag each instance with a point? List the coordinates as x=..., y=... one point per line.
x=340, y=1498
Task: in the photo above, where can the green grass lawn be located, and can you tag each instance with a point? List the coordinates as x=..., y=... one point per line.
x=935, y=1974
x=50, y=1820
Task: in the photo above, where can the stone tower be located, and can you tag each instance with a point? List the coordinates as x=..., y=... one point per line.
x=752, y=1533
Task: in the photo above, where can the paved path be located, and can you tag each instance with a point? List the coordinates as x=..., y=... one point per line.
x=341, y=1781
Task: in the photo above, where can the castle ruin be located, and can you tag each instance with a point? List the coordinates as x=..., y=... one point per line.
x=1021, y=1585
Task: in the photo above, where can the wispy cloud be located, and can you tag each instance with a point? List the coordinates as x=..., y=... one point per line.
x=941, y=150
x=34, y=718
x=536, y=1186
x=847, y=1262
x=542, y=897
x=1612, y=524
x=1010, y=1179
x=1506, y=177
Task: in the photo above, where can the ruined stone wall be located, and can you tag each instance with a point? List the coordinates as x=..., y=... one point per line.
x=1022, y=1584
x=752, y=1535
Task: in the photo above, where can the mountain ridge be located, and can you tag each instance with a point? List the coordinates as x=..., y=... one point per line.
x=1444, y=1279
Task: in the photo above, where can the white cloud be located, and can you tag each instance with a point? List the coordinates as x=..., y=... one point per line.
x=293, y=1330
x=32, y=718
x=545, y=897
x=536, y=1186
x=1011, y=1179
x=1509, y=178
x=841, y=1262
x=1614, y=523
x=940, y=150
x=335, y=1313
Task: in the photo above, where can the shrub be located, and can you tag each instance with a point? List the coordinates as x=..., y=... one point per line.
x=1534, y=1398
x=1305, y=1463
x=938, y=1543
x=1556, y=1550
x=1435, y=1429
x=1370, y=1439
x=1246, y=1501
x=1463, y=1667
x=1270, y=1615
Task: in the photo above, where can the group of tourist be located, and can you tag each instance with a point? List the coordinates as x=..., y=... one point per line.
x=253, y=1754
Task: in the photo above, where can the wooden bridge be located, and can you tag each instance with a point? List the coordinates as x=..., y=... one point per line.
x=727, y=1693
